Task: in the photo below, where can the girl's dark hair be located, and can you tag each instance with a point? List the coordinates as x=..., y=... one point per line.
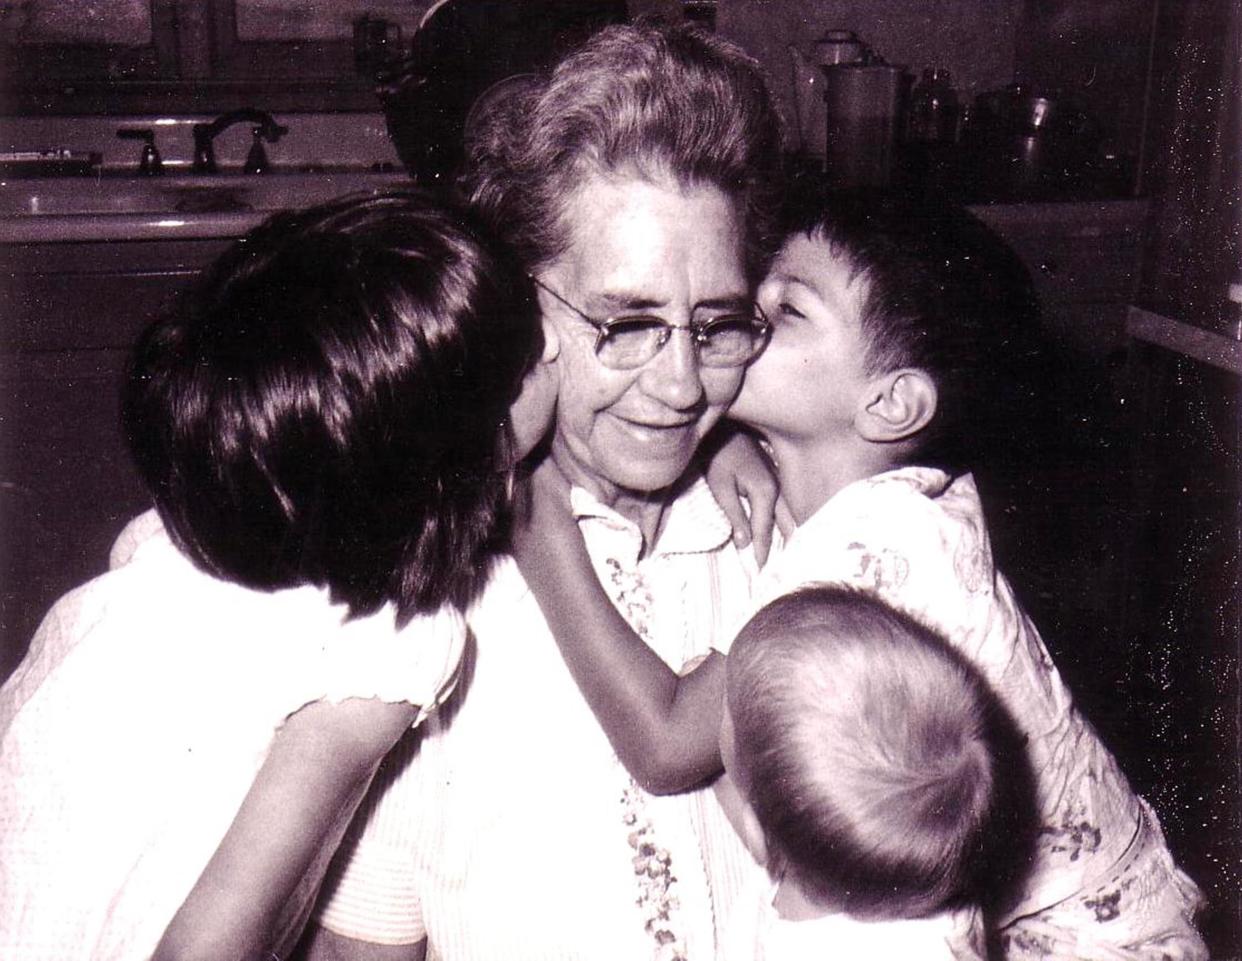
x=326, y=406
x=943, y=293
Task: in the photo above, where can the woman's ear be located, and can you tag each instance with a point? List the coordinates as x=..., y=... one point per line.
x=739, y=812
x=551, y=341
x=897, y=406
x=752, y=835
x=533, y=410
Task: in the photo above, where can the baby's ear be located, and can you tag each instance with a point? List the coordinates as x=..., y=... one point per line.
x=897, y=406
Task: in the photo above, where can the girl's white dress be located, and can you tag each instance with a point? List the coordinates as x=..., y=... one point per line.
x=135, y=725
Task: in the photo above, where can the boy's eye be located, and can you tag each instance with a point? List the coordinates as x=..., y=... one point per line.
x=787, y=309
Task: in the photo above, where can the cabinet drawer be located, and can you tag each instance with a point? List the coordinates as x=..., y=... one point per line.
x=83, y=296
x=1084, y=260
x=1097, y=271
x=84, y=311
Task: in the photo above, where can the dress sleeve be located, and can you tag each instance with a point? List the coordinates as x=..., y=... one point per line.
x=311, y=650
x=136, y=533
x=418, y=664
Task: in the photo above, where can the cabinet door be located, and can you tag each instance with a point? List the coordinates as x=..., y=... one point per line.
x=70, y=313
x=1183, y=618
x=66, y=487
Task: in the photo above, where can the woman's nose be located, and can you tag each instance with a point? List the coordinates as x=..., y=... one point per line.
x=673, y=376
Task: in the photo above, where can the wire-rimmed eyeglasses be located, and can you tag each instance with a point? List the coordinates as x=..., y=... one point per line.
x=728, y=339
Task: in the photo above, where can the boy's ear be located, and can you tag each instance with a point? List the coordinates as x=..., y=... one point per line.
x=897, y=406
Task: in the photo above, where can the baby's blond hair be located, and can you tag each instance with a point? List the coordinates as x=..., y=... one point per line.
x=866, y=747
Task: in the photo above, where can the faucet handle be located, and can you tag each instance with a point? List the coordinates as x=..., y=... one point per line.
x=150, y=162
x=256, y=159
x=204, y=155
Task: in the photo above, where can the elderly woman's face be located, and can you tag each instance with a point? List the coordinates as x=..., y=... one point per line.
x=639, y=247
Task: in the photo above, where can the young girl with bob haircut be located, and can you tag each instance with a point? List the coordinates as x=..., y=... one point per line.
x=327, y=425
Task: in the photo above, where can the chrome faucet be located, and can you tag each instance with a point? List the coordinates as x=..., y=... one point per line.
x=265, y=129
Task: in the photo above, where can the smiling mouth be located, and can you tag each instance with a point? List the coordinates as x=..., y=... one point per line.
x=656, y=433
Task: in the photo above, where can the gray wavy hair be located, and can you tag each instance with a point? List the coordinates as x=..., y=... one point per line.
x=648, y=100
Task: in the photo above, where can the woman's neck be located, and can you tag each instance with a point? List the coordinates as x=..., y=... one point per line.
x=646, y=510
x=643, y=509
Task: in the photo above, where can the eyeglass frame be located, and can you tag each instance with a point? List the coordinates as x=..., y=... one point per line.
x=697, y=332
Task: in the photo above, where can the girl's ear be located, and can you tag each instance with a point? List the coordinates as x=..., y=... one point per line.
x=897, y=406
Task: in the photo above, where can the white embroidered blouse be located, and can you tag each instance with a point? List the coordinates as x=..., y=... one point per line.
x=514, y=832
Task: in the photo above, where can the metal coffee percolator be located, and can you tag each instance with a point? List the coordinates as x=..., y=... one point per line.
x=848, y=102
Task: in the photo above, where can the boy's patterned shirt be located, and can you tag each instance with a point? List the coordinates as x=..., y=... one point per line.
x=916, y=538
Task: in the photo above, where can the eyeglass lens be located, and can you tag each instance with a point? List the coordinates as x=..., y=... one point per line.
x=723, y=342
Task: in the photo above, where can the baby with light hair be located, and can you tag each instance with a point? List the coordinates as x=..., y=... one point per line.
x=862, y=759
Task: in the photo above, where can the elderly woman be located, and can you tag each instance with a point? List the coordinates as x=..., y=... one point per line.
x=632, y=182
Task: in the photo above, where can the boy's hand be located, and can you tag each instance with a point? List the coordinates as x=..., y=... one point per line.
x=743, y=481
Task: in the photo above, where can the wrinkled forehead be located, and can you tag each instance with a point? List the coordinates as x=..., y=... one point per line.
x=586, y=171
x=624, y=232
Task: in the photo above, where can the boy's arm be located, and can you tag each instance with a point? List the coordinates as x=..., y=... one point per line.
x=665, y=728
x=260, y=883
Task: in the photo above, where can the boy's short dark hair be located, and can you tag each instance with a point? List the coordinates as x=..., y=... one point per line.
x=325, y=406
x=868, y=750
x=944, y=293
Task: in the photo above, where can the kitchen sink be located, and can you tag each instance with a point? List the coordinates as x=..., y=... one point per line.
x=171, y=204
x=181, y=193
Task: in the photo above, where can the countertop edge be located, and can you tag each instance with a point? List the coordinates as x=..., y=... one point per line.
x=75, y=228
x=1186, y=339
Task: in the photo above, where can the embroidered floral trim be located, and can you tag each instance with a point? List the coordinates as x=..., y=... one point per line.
x=632, y=598
x=653, y=864
x=653, y=869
